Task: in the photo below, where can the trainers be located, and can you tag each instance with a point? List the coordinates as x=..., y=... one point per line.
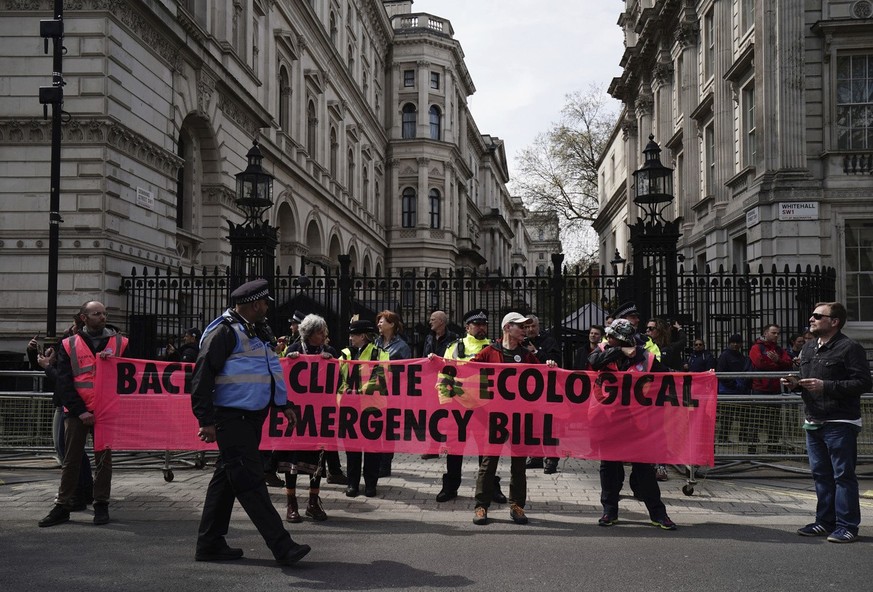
x=294, y=554
x=58, y=515
x=842, y=535
x=661, y=472
x=480, y=516
x=664, y=523
x=516, y=512
x=338, y=479
x=101, y=513
x=812, y=530
x=607, y=520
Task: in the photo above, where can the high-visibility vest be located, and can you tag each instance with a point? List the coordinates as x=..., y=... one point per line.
x=84, y=363
x=251, y=372
x=466, y=347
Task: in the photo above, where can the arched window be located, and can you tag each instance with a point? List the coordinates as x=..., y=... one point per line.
x=351, y=60
x=435, y=208
x=436, y=118
x=365, y=186
x=284, y=100
x=333, y=29
x=334, y=150
x=410, y=115
x=311, y=128
x=408, y=208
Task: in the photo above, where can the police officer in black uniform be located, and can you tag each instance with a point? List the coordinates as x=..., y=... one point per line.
x=236, y=379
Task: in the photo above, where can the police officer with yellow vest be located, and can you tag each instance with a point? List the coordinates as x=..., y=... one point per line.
x=236, y=379
x=362, y=333
x=76, y=371
x=476, y=339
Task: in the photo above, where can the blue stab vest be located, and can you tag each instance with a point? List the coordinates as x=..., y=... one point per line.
x=250, y=371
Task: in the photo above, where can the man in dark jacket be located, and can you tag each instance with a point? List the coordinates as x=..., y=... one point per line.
x=187, y=352
x=833, y=374
x=732, y=359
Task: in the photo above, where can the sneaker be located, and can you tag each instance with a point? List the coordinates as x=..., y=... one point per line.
x=812, y=530
x=516, y=512
x=842, y=535
x=480, y=516
x=294, y=554
x=664, y=523
x=101, y=513
x=607, y=520
x=338, y=479
x=661, y=472
x=58, y=515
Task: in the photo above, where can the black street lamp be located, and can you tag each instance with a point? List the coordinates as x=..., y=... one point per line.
x=617, y=262
x=654, y=239
x=253, y=243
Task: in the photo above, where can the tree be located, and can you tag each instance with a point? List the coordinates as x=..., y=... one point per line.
x=558, y=172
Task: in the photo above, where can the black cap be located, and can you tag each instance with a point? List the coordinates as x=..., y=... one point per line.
x=735, y=338
x=626, y=309
x=251, y=292
x=297, y=317
x=477, y=315
x=360, y=326
x=194, y=332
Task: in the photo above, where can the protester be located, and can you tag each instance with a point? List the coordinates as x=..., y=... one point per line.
x=437, y=340
x=390, y=328
x=476, y=339
x=312, y=342
x=661, y=333
x=622, y=353
x=732, y=359
x=701, y=359
x=236, y=380
x=767, y=356
x=834, y=372
x=187, y=352
x=76, y=373
x=361, y=347
x=544, y=347
x=595, y=336
x=508, y=350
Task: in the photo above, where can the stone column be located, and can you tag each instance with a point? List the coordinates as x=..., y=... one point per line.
x=423, y=211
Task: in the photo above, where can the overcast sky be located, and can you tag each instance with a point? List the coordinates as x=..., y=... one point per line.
x=525, y=55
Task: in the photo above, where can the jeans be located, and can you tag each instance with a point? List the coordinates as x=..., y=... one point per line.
x=833, y=453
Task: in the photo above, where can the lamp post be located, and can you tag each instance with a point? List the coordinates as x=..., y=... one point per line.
x=654, y=238
x=253, y=243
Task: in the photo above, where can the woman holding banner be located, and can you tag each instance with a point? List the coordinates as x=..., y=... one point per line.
x=389, y=326
x=313, y=342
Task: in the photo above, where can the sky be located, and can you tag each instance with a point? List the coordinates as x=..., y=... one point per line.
x=525, y=56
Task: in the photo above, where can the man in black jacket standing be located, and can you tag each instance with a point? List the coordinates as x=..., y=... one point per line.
x=833, y=374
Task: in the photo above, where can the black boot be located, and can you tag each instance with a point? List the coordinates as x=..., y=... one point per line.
x=498, y=497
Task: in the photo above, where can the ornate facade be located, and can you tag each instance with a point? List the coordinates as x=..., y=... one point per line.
x=763, y=108
x=359, y=106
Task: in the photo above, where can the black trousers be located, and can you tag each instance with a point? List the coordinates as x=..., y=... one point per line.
x=452, y=476
x=239, y=474
x=644, y=484
x=369, y=461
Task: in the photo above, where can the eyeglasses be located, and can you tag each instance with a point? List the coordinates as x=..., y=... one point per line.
x=650, y=328
x=818, y=316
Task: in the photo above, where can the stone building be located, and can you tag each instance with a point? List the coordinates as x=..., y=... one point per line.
x=359, y=107
x=765, y=111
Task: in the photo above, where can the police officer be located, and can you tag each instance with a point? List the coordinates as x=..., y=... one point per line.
x=236, y=378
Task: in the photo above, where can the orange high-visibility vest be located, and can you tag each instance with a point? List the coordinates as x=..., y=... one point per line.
x=84, y=364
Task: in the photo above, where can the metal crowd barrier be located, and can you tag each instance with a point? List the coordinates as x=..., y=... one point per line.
x=752, y=431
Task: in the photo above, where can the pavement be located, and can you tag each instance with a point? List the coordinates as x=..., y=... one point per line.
x=401, y=529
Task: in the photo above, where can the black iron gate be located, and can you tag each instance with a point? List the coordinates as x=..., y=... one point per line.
x=710, y=304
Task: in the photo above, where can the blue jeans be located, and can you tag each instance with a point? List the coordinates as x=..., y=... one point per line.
x=833, y=453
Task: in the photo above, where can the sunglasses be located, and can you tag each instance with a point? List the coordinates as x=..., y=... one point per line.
x=650, y=328
x=818, y=316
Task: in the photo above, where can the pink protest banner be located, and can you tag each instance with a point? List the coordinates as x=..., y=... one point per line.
x=421, y=406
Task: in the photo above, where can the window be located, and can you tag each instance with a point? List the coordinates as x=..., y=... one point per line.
x=333, y=28
x=334, y=150
x=859, y=270
x=708, y=44
x=747, y=15
x=855, y=102
x=409, y=78
x=435, y=80
x=365, y=185
x=709, y=158
x=311, y=128
x=435, y=122
x=408, y=208
x=680, y=65
x=350, y=172
x=435, y=208
x=410, y=116
x=541, y=234
x=284, y=100
x=750, y=146
x=351, y=60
